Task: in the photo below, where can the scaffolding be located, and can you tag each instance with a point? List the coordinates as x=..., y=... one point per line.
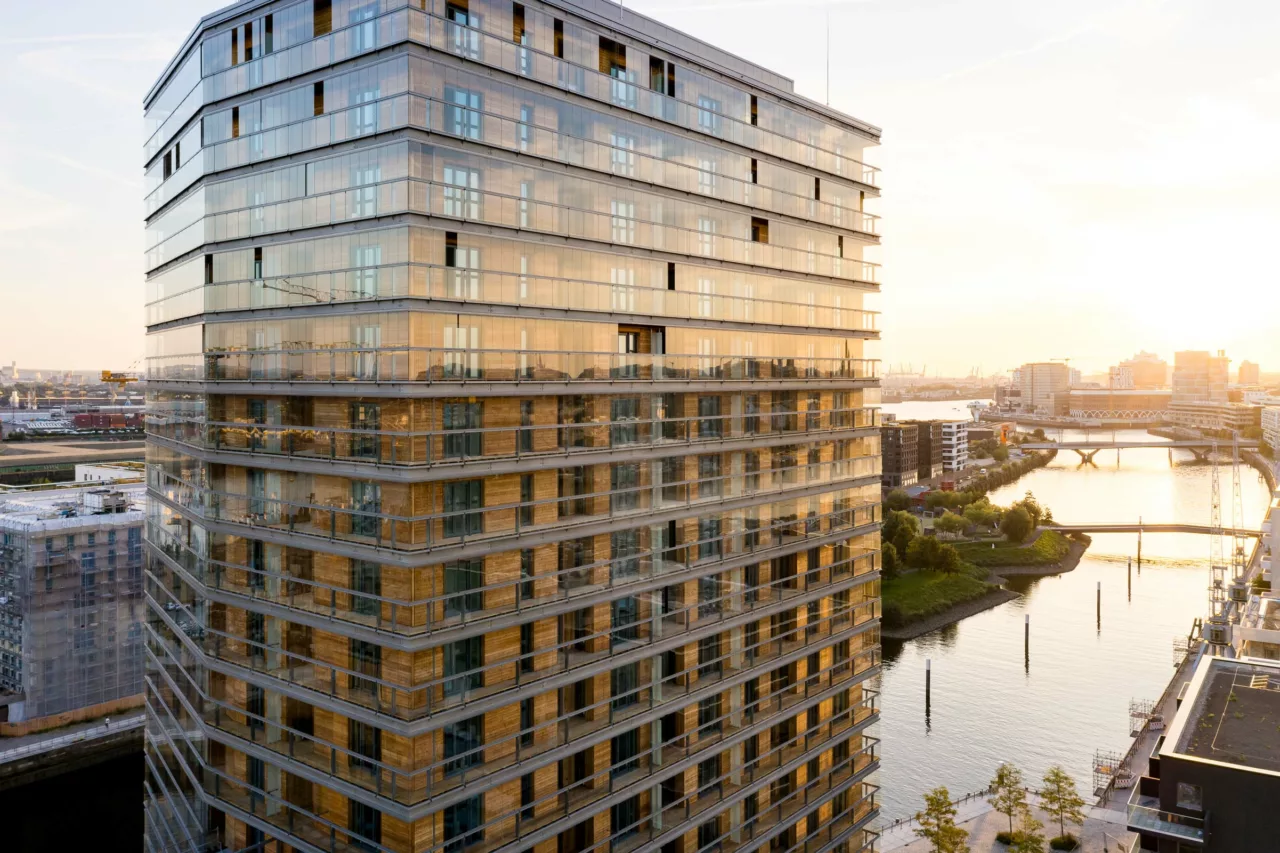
x=1182, y=646
x=1109, y=771
x=1143, y=714
x=71, y=601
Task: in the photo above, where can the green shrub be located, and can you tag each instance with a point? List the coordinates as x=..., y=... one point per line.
x=1005, y=837
x=1064, y=842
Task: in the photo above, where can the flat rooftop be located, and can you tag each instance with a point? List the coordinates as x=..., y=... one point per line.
x=63, y=505
x=1231, y=715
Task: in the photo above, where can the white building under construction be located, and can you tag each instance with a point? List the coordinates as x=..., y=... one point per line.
x=71, y=604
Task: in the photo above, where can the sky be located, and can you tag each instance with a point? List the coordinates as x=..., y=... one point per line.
x=1060, y=180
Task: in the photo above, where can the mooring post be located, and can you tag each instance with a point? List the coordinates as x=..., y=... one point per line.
x=1139, y=545
x=1099, y=605
x=928, y=685
x=1130, y=579
x=1026, y=641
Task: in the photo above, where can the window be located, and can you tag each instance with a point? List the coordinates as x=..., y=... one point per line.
x=755, y=171
x=526, y=647
x=709, y=769
x=366, y=505
x=623, y=221
x=751, y=414
x=759, y=230
x=710, y=590
x=625, y=486
x=526, y=499
x=462, y=662
x=366, y=422
x=255, y=626
x=625, y=684
x=624, y=752
x=1190, y=796
x=625, y=554
x=625, y=415
x=462, y=824
x=813, y=414
x=463, y=502
x=708, y=537
x=709, y=833
x=755, y=111
x=526, y=426
x=558, y=37
x=526, y=722
x=708, y=115
x=709, y=482
x=625, y=817
x=462, y=112
x=710, y=424
x=365, y=742
x=526, y=574
x=464, y=26
x=366, y=663
x=460, y=359
x=463, y=742
x=527, y=796
x=626, y=618
x=366, y=581
x=462, y=423
x=462, y=582
x=362, y=31
x=321, y=17
x=461, y=192
x=363, y=117
x=709, y=662
x=622, y=155
x=707, y=176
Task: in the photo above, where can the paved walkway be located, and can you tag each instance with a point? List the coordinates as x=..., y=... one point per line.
x=13, y=748
x=1103, y=830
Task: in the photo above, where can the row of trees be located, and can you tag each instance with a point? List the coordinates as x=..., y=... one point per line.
x=903, y=545
x=1008, y=796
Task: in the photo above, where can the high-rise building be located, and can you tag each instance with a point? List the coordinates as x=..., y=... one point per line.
x=513, y=457
x=1149, y=370
x=71, y=605
x=1199, y=377
x=899, y=458
x=1120, y=378
x=1042, y=380
x=1250, y=373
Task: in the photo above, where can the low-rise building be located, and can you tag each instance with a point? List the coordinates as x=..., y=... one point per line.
x=1214, y=416
x=1216, y=766
x=899, y=455
x=1269, y=420
x=1130, y=404
x=71, y=604
x=928, y=449
x=1249, y=373
x=955, y=445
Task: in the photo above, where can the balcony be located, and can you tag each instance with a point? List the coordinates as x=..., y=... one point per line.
x=1146, y=816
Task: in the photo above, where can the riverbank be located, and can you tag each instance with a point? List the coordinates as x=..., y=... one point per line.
x=920, y=602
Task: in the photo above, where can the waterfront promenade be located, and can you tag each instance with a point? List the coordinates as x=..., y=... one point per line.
x=1102, y=826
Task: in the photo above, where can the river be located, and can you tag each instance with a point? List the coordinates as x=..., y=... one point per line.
x=989, y=704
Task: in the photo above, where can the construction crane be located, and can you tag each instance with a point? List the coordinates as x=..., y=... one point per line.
x=120, y=380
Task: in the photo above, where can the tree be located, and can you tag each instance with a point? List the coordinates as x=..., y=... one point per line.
x=948, y=560
x=1007, y=794
x=1000, y=454
x=950, y=523
x=981, y=513
x=923, y=552
x=1058, y=797
x=1016, y=524
x=1038, y=432
x=897, y=500
x=1032, y=506
x=1028, y=838
x=900, y=528
x=938, y=823
x=889, y=566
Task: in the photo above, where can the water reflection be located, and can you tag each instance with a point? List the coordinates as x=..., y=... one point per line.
x=988, y=704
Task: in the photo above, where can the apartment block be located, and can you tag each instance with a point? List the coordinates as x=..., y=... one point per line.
x=71, y=605
x=1199, y=377
x=1040, y=382
x=899, y=457
x=513, y=458
x=955, y=445
x=928, y=449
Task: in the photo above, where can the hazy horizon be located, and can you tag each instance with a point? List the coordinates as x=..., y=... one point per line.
x=1058, y=181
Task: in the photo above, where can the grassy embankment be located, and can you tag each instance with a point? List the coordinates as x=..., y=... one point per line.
x=917, y=595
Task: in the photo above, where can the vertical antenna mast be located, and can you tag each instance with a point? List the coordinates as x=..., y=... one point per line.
x=1217, y=568
x=1237, y=512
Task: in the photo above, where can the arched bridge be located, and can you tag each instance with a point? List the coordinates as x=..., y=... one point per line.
x=1087, y=449
x=1149, y=527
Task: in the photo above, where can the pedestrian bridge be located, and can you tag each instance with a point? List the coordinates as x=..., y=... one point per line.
x=1087, y=449
x=1149, y=527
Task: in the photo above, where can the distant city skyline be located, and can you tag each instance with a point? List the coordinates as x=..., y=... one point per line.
x=1054, y=175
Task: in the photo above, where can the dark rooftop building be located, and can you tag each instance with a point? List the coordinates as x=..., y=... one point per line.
x=1217, y=766
x=928, y=449
x=899, y=463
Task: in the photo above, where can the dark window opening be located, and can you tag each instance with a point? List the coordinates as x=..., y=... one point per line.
x=235, y=122
x=759, y=230
x=517, y=23
x=755, y=114
x=671, y=275
x=755, y=171
x=817, y=189
x=558, y=29
x=613, y=58
x=317, y=98
x=268, y=34
x=322, y=18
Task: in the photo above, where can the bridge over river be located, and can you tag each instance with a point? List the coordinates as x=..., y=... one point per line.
x=1154, y=527
x=1087, y=449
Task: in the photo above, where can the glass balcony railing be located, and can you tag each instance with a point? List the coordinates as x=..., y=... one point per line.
x=439, y=365
x=1145, y=815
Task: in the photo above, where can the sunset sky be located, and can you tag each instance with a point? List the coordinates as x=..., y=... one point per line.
x=1076, y=180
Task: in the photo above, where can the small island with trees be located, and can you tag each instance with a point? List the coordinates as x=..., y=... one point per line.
x=949, y=562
